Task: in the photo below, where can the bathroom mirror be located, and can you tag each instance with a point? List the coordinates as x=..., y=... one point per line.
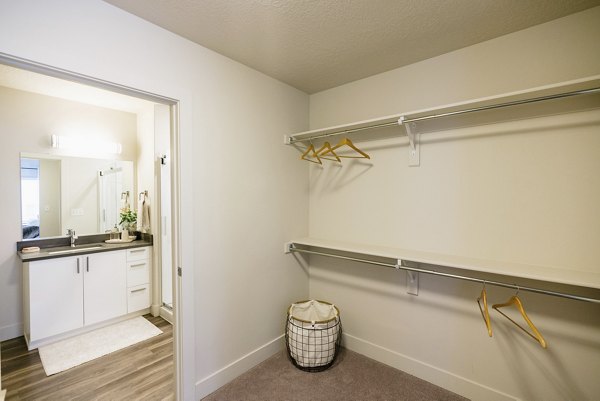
x=61, y=192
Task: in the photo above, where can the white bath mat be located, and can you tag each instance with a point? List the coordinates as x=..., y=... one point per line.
x=74, y=351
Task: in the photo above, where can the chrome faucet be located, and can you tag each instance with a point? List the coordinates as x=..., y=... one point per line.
x=71, y=233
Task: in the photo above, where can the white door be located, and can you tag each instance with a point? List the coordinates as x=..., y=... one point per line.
x=105, y=286
x=161, y=142
x=55, y=296
x=165, y=231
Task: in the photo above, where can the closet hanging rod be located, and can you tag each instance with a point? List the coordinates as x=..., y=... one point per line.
x=501, y=105
x=407, y=119
x=401, y=265
x=346, y=131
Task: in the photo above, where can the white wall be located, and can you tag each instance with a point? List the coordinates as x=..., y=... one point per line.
x=145, y=161
x=26, y=121
x=519, y=190
x=147, y=143
x=243, y=192
x=251, y=194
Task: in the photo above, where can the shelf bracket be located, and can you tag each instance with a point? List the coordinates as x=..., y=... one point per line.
x=412, y=279
x=414, y=138
x=412, y=282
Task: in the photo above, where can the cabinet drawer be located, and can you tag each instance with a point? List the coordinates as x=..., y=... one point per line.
x=138, y=298
x=138, y=254
x=138, y=273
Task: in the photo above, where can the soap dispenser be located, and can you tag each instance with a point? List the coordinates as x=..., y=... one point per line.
x=114, y=233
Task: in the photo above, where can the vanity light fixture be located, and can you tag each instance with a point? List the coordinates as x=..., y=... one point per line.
x=73, y=143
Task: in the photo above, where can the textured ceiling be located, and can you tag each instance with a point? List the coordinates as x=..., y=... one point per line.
x=319, y=44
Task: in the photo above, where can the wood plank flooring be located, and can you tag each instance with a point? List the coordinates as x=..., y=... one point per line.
x=144, y=371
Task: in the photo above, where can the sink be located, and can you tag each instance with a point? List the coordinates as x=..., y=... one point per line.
x=76, y=249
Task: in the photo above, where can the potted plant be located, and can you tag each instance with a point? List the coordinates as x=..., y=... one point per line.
x=128, y=219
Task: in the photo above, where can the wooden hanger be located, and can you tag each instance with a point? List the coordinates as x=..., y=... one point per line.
x=514, y=300
x=348, y=142
x=484, y=310
x=326, y=148
x=311, y=154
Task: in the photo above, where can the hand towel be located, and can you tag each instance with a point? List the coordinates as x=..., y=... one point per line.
x=146, y=215
x=139, y=222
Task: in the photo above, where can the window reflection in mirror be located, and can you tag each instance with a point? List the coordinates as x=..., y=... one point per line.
x=70, y=192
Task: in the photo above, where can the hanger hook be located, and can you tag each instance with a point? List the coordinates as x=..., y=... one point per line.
x=517, y=290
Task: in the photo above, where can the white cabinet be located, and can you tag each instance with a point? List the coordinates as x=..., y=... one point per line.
x=72, y=292
x=104, y=286
x=138, y=279
x=138, y=254
x=138, y=298
x=55, y=297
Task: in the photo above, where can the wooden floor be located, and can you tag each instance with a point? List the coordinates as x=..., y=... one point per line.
x=144, y=371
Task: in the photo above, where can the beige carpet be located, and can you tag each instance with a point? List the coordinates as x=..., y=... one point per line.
x=83, y=348
x=352, y=377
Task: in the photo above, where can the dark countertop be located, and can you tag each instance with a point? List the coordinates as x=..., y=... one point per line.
x=51, y=247
x=47, y=253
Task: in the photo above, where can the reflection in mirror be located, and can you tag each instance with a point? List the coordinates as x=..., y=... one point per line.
x=72, y=192
x=114, y=195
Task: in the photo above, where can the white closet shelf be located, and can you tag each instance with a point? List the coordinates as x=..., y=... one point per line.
x=533, y=93
x=540, y=273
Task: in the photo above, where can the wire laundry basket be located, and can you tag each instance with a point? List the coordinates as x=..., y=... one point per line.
x=313, y=334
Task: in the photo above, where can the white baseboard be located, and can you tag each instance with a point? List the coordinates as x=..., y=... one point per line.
x=166, y=314
x=11, y=331
x=448, y=380
x=224, y=375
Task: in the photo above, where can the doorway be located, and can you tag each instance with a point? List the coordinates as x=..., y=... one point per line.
x=163, y=161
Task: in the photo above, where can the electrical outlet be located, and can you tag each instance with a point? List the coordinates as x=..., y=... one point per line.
x=77, y=212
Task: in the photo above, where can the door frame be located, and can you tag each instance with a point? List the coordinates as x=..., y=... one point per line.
x=183, y=331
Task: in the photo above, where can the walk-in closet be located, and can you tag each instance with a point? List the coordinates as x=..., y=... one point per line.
x=352, y=200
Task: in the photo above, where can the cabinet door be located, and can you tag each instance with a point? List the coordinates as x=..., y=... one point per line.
x=105, y=286
x=55, y=296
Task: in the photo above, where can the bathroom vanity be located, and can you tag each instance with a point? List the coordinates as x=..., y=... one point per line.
x=67, y=291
